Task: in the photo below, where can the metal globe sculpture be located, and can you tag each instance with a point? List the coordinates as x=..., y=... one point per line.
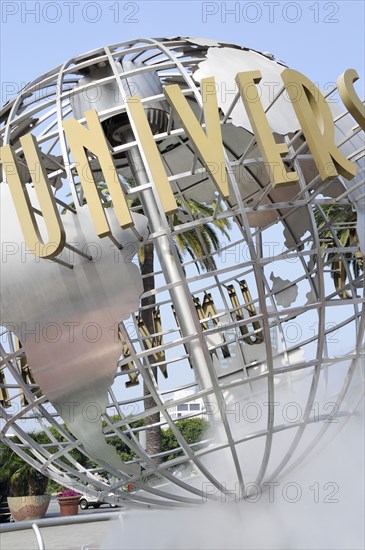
x=232, y=294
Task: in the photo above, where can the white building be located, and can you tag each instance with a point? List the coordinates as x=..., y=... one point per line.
x=190, y=408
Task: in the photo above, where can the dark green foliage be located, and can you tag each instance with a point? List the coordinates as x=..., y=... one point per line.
x=203, y=240
x=18, y=477
x=192, y=429
x=343, y=221
x=121, y=447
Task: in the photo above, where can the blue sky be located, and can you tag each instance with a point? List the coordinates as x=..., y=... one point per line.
x=320, y=39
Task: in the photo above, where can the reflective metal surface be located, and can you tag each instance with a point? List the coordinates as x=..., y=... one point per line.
x=67, y=319
x=293, y=334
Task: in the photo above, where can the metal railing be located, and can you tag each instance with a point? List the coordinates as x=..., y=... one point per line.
x=53, y=522
x=59, y=521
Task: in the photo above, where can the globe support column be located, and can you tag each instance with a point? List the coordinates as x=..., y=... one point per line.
x=174, y=274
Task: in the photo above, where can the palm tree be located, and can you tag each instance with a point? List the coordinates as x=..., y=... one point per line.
x=19, y=477
x=343, y=220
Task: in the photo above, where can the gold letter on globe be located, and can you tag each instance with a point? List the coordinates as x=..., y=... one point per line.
x=208, y=145
x=316, y=120
x=23, y=205
x=93, y=139
x=271, y=151
x=352, y=102
x=150, y=153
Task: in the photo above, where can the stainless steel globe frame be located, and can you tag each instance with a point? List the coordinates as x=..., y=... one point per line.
x=251, y=451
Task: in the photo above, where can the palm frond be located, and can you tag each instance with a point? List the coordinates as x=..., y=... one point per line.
x=343, y=225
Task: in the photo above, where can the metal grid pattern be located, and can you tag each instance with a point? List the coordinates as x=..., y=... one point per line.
x=305, y=369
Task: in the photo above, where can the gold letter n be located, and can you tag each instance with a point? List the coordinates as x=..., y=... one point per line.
x=94, y=140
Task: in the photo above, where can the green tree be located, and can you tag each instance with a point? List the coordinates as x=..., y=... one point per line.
x=17, y=477
x=121, y=447
x=192, y=429
x=343, y=223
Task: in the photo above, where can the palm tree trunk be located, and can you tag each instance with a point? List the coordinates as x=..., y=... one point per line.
x=153, y=435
